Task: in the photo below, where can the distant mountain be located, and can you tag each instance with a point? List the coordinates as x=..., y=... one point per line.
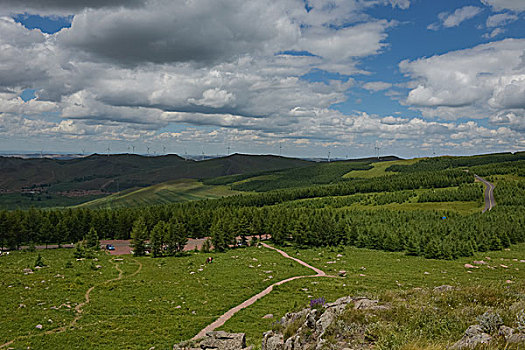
x=117, y=172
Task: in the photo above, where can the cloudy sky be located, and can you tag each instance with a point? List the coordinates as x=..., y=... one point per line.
x=415, y=77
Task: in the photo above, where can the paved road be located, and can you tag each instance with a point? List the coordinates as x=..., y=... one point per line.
x=490, y=202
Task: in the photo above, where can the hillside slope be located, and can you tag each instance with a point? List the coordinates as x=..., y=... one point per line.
x=109, y=173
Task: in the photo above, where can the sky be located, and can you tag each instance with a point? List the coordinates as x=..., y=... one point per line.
x=300, y=78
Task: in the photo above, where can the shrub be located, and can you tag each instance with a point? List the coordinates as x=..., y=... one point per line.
x=39, y=261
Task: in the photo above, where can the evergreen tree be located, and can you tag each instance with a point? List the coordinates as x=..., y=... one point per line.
x=92, y=240
x=156, y=239
x=175, y=237
x=139, y=234
x=412, y=245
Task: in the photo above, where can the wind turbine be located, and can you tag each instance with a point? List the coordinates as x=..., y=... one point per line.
x=164, y=149
x=41, y=153
x=133, y=148
x=148, y=150
x=108, y=149
x=83, y=151
x=228, y=150
x=377, y=148
x=280, y=149
x=328, y=156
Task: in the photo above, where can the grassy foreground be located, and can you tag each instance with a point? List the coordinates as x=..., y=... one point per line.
x=159, y=302
x=168, y=300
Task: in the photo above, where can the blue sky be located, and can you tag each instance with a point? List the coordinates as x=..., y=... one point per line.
x=413, y=76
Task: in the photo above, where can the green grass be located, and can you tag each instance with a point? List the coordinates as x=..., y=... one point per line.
x=379, y=169
x=166, y=192
x=13, y=201
x=388, y=274
x=136, y=312
x=142, y=310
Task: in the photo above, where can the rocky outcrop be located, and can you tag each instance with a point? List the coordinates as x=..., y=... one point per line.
x=473, y=336
x=216, y=341
x=305, y=330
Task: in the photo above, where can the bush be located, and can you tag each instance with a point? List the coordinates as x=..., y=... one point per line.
x=39, y=261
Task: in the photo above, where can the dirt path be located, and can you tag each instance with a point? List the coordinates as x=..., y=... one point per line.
x=79, y=307
x=226, y=316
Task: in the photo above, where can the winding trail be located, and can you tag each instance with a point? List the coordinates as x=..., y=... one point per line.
x=490, y=202
x=79, y=307
x=228, y=314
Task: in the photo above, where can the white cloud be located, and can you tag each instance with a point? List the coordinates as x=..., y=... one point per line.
x=501, y=19
x=377, y=86
x=476, y=83
x=494, y=33
x=513, y=5
x=455, y=18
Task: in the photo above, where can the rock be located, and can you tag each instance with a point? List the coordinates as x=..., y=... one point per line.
x=272, y=341
x=38, y=326
x=443, y=288
x=509, y=281
x=267, y=316
x=21, y=306
x=505, y=332
x=342, y=273
x=426, y=273
x=516, y=338
x=479, y=262
x=473, y=336
x=469, y=266
x=504, y=266
x=27, y=271
x=216, y=340
x=367, y=304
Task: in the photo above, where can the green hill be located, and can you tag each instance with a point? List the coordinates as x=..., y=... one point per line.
x=50, y=182
x=163, y=193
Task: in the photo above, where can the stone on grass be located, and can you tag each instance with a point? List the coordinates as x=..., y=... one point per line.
x=470, y=266
x=473, y=337
x=38, y=326
x=268, y=316
x=443, y=288
x=218, y=340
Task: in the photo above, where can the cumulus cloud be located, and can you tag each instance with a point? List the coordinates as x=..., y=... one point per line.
x=125, y=71
x=499, y=5
x=377, y=86
x=455, y=18
x=487, y=79
x=494, y=33
x=62, y=7
x=501, y=19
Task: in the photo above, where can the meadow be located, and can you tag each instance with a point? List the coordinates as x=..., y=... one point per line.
x=158, y=302
x=163, y=193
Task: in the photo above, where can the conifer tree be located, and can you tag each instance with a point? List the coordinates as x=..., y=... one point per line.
x=92, y=239
x=156, y=239
x=139, y=234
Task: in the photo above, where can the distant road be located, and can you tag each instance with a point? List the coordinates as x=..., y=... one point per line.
x=490, y=202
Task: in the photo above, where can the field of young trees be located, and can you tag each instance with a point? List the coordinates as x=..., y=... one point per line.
x=361, y=212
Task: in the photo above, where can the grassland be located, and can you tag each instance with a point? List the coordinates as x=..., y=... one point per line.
x=23, y=201
x=379, y=169
x=168, y=300
x=166, y=192
x=171, y=299
x=386, y=276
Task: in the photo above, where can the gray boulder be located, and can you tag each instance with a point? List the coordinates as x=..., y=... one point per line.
x=217, y=341
x=473, y=336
